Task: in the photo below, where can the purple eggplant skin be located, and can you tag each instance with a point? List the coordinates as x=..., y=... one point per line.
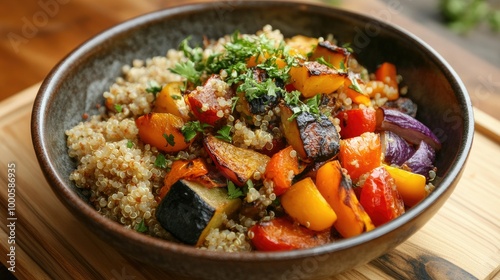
x=405, y=126
x=421, y=161
x=395, y=149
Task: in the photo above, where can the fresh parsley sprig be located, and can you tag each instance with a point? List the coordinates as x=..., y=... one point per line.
x=191, y=129
x=298, y=106
x=225, y=134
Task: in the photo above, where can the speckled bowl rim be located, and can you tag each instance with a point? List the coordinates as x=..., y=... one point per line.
x=51, y=84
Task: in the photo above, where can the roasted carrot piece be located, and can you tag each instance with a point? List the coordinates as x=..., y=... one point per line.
x=281, y=169
x=183, y=169
x=352, y=219
x=163, y=131
x=387, y=73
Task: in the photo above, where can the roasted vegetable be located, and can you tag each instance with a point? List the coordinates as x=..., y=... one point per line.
x=305, y=204
x=212, y=101
x=336, y=188
x=163, y=131
x=359, y=155
x=355, y=122
x=281, y=234
x=421, y=161
x=183, y=169
x=237, y=164
x=395, y=149
x=312, y=77
x=189, y=211
x=405, y=105
x=313, y=138
x=385, y=83
x=281, y=169
x=354, y=90
x=170, y=100
x=380, y=198
x=332, y=54
x=405, y=126
x=411, y=186
x=301, y=45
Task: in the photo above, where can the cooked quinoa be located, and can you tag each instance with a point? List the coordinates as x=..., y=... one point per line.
x=121, y=175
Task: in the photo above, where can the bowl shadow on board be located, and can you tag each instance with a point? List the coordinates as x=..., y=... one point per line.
x=76, y=84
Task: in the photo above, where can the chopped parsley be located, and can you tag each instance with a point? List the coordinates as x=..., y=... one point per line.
x=348, y=47
x=130, y=144
x=118, y=108
x=187, y=70
x=141, y=227
x=191, y=129
x=233, y=191
x=324, y=62
x=176, y=97
x=153, y=87
x=170, y=139
x=160, y=161
x=354, y=84
x=224, y=134
x=298, y=107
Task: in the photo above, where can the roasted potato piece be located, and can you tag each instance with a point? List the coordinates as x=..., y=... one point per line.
x=312, y=77
x=163, y=131
x=313, y=138
x=335, y=55
x=301, y=45
x=170, y=100
x=237, y=164
x=212, y=101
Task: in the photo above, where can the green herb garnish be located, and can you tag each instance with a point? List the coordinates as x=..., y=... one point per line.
x=298, y=107
x=170, y=139
x=224, y=134
x=153, y=87
x=130, y=144
x=324, y=62
x=233, y=191
x=118, y=108
x=191, y=129
x=141, y=227
x=187, y=70
x=176, y=97
x=160, y=161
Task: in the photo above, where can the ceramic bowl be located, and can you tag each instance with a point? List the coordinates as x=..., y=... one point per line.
x=76, y=84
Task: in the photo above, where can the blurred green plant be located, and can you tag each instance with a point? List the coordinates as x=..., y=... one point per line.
x=464, y=15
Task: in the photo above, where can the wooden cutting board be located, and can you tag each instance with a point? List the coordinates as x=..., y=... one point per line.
x=461, y=241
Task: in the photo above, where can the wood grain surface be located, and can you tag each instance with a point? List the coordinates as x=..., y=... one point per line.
x=460, y=242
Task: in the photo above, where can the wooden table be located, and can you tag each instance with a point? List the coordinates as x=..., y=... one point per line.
x=462, y=239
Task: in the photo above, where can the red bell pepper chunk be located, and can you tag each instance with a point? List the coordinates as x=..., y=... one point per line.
x=380, y=198
x=355, y=122
x=281, y=234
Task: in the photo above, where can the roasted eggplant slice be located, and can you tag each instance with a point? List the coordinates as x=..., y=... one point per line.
x=314, y=138
x=189, y=211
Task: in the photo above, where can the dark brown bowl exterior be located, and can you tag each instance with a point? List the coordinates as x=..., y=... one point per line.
x=75, y=86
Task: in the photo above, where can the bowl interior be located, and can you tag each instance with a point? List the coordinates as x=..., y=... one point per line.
x=76, y=85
